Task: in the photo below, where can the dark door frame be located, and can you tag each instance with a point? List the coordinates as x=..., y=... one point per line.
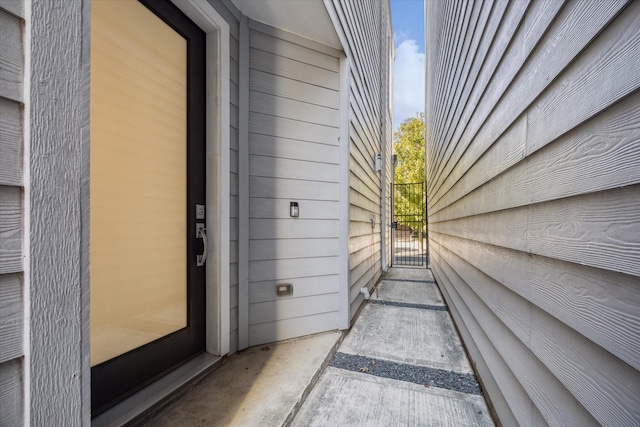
x=118, y=378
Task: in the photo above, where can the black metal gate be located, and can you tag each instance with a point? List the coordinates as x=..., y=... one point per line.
x=409, y=227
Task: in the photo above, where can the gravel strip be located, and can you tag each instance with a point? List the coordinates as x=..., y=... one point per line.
x=410, y=305
x=408, y=280
x=429, y=377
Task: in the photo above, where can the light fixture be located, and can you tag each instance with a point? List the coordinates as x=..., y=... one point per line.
x=294, y=210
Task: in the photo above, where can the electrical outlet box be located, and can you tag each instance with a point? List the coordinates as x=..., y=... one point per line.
x=284, y=289
x=200, y=212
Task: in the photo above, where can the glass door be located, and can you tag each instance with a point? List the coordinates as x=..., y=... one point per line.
x=147, y=177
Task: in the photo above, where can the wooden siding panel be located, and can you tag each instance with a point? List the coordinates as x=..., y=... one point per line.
x=571, y=293
x=497, y=394
x=274, y=167
x=10, y=230
x=292, y=69
x=474, y=107
x=292, y=268
x=292, y=109
x=291, y=308
x=366, y=27
x=10, y=143
x=559, y=46
x=293, y=156
x=566, y=97
x=11, y=317
x=547, y=394
x=12, y=312
x=277, y=188
x=304, y=286
x=294, y=327
x=287, y=148
x=480, y=55
x=279, y=209
x=470, y=68
x=15, y=7
x=533, y=174
x=274, y=249
x=592, y=375
x=598, y=155
x=283, y=35
x=281, y=86
x=11, y=57
x=293, y=228
x=464, y=26
x=591, y=229
x=280, y=127
x=297, y=52
x=11, y=386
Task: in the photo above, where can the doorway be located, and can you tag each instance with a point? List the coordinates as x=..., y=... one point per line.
x=409, y=226
x=148, y=195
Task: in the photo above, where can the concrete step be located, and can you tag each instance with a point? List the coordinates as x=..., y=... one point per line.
x=260, y=386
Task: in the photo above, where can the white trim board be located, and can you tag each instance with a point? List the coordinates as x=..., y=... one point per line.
x=218, y=116
x=343, y=286
x=243, y=186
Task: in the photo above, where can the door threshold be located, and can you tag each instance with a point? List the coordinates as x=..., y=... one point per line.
x=151, y=397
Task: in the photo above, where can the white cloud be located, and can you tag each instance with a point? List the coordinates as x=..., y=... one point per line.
x=408, y=82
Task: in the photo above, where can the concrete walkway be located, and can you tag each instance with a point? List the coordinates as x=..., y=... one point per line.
x=402, y=363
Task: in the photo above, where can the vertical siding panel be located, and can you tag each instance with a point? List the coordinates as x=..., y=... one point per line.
x=532, y=187
x=58, y=363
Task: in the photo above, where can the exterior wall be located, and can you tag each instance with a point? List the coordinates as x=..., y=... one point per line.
x=293, y=156
x=12, y=309
x=386, y=90
x=533, y=169
x=366, y=31
x=44, y=241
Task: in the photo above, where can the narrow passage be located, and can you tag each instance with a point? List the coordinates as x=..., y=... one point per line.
x=402, y=363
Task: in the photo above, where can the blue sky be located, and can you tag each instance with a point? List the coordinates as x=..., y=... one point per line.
x=408, y=81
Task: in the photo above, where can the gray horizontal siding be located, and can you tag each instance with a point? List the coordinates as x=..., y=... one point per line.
x=11, y=214
x=11, y=60
x=367, y=30
x=293, y=156
x=11, y=390
x=533, y=167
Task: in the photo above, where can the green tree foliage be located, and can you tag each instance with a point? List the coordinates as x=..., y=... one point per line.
x=408, y=145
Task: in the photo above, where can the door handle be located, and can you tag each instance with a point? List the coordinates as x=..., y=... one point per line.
x=201, y=233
